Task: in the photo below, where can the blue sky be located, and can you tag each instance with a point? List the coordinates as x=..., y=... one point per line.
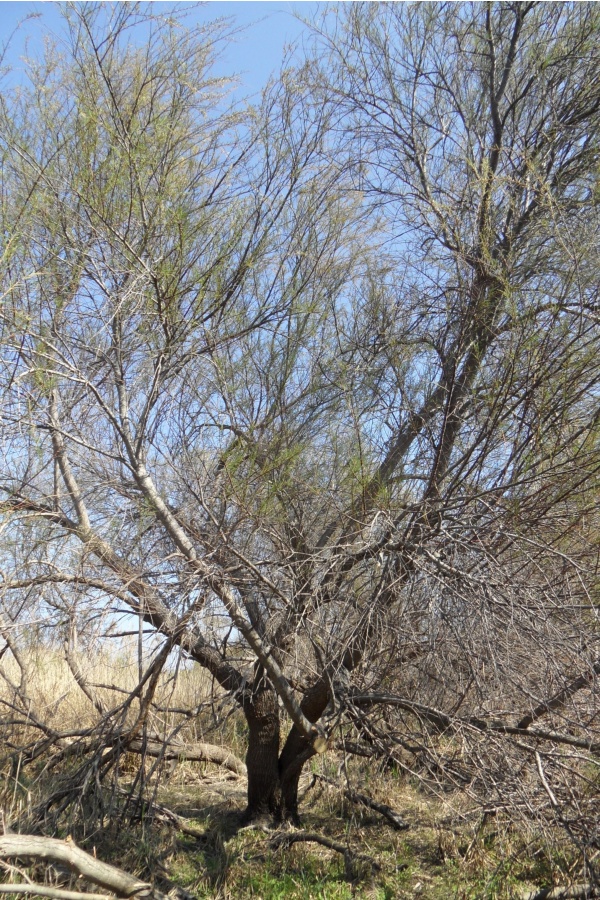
x=257, y=52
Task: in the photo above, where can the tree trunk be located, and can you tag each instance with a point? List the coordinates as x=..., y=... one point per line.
x=273, y=779
x=297, y=750
x=262, y=715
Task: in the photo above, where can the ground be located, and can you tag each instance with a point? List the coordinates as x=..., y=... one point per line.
x=448, y=851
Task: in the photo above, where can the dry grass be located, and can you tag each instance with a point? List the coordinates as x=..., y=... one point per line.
x=450, y=850
x=50, y=690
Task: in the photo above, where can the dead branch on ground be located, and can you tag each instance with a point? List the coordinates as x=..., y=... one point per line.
x=22, y=846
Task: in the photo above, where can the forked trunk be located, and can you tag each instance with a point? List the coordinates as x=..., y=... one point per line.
x=273, y=779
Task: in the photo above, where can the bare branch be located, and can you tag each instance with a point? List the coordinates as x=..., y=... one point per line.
x=66, y=852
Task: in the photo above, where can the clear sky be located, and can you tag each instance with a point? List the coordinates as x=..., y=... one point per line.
x=266, y=28
x=257, y=52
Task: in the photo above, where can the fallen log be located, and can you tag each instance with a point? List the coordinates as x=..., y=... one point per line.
x=198, y=752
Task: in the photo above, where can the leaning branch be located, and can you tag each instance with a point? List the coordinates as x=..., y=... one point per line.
x=562, y=697
x=139, y=594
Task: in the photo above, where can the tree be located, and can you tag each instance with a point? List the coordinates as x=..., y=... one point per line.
x=312, y=388
x=169, y=276
x=475, y=130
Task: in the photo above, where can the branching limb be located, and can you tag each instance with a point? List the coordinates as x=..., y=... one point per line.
x=442, y=721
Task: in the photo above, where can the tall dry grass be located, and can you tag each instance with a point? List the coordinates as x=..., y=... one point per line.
x=47, y=690
x=57, y=764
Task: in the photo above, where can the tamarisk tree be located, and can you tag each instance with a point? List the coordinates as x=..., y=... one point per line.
x=311, y=387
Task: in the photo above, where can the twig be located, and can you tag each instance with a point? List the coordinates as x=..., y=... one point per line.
x=544, y=780
x=287, y=838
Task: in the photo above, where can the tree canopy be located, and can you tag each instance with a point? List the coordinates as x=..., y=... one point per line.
x=310, y=387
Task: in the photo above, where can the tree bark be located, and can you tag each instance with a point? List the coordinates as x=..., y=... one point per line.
x=298, y=750
x=262, y=715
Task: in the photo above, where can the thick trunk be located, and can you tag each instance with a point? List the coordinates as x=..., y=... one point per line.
x=262, y=716
x=297, y=750
x=273, y=779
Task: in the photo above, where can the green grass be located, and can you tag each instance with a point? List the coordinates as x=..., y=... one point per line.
x=448, y=853
x=439, y=858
